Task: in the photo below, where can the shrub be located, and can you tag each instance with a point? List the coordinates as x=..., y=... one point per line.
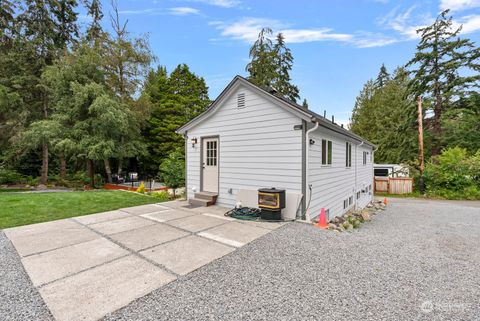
x=172, y=170
x=453, y=175
x=141, y=188
x=8, y=176
x=162, y=195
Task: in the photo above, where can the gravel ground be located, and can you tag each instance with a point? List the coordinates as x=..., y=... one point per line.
x=19, y=300
x=418, y=260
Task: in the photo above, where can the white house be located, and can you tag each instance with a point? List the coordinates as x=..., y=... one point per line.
x=250, y=138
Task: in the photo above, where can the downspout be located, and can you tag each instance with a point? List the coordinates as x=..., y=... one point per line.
x=356, y=164
x=307, y=176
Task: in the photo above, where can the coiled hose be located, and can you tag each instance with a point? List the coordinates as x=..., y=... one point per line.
x=244, y=213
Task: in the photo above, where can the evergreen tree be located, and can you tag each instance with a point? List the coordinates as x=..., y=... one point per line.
x=386, y=117
x=440, y=57
x=262, y=67
x=284, y=61
x=270, y=65
x=175, y=99
x=305, y=103
x=94, y=10
x=383, y=77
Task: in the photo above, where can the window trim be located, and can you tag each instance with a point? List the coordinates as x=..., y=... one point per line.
x=348, y=155
x=327, y=152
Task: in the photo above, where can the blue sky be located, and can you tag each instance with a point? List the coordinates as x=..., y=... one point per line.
x=337, y=45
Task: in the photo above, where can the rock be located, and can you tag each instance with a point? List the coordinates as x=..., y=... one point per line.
x=332, y=226
x=366, y=216
x=41, y=187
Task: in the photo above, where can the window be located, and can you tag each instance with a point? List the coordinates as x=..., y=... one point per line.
x=211, y=153
x=345, y=204
x=348, y=154
x=365, y=158
x=350, y=200
x=358, y=195
x=326, y=152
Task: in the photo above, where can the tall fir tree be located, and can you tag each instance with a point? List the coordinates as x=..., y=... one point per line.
x=439, y=67
x=284, y=62
x=271, y=64
x=386, y=116
x=175, y=99
x=262, y=68
x=383, y=77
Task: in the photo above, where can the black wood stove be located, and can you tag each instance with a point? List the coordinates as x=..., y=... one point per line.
x=271, y=201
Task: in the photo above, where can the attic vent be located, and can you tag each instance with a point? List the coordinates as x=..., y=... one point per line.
x=241, y=100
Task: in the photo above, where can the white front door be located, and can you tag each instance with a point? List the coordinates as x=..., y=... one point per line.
x=210, y=165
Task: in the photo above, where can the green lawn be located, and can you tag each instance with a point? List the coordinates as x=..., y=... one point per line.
x=27, y=208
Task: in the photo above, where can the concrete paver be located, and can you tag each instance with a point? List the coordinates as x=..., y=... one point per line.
x=83, y=275
x=144, y=209
x=93, y=293
x=148, y=236
x=120, y=225
x=234, y=234
x=196, y=223
x=48, y=236
x=101, y=217
x=187, y=254
x=169, y=215
x=53, y=265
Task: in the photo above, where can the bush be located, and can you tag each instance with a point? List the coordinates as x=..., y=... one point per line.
x=8, y=176
x=172, y=170
x=453, y=175
x=141, y=188
x=162, y=195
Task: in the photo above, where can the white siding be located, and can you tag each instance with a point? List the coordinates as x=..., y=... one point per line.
x=258, y=147
x=332, y=184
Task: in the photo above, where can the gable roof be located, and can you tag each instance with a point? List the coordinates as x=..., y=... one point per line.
x=298, y=110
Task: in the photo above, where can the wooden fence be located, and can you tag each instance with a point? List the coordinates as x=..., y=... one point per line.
x=394, y=185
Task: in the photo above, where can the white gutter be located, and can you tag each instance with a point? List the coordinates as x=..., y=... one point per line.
x=307, y=148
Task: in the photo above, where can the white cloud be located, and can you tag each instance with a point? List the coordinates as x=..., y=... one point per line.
x=247, y=29
x=469, y=23
x=458, y=5
x=177, y=11
x=407, y=23
x=183, y=11
x=309, y=35
x=220, y=3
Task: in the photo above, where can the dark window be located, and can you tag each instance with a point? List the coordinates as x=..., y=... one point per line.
x=348, y=154
x=326, y=152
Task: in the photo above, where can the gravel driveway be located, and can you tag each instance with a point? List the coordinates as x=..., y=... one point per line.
x=418, y=260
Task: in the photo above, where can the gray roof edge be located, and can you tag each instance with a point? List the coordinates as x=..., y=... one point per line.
x=314, y=117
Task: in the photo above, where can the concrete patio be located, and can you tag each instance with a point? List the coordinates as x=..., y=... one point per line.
x=88, y=266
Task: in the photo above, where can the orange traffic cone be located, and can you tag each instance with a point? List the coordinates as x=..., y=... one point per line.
x=385, y=201
x=322, y=220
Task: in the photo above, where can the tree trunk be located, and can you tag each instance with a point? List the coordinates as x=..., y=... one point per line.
x=90, y=172
x=44, y=175
x=63, y=168
x=108, y=170
x=120, y=164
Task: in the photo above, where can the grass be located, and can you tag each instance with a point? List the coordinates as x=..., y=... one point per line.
x=410, y=195
x=27, y=208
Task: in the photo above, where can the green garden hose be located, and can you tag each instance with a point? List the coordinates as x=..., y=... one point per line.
x=244, y=213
